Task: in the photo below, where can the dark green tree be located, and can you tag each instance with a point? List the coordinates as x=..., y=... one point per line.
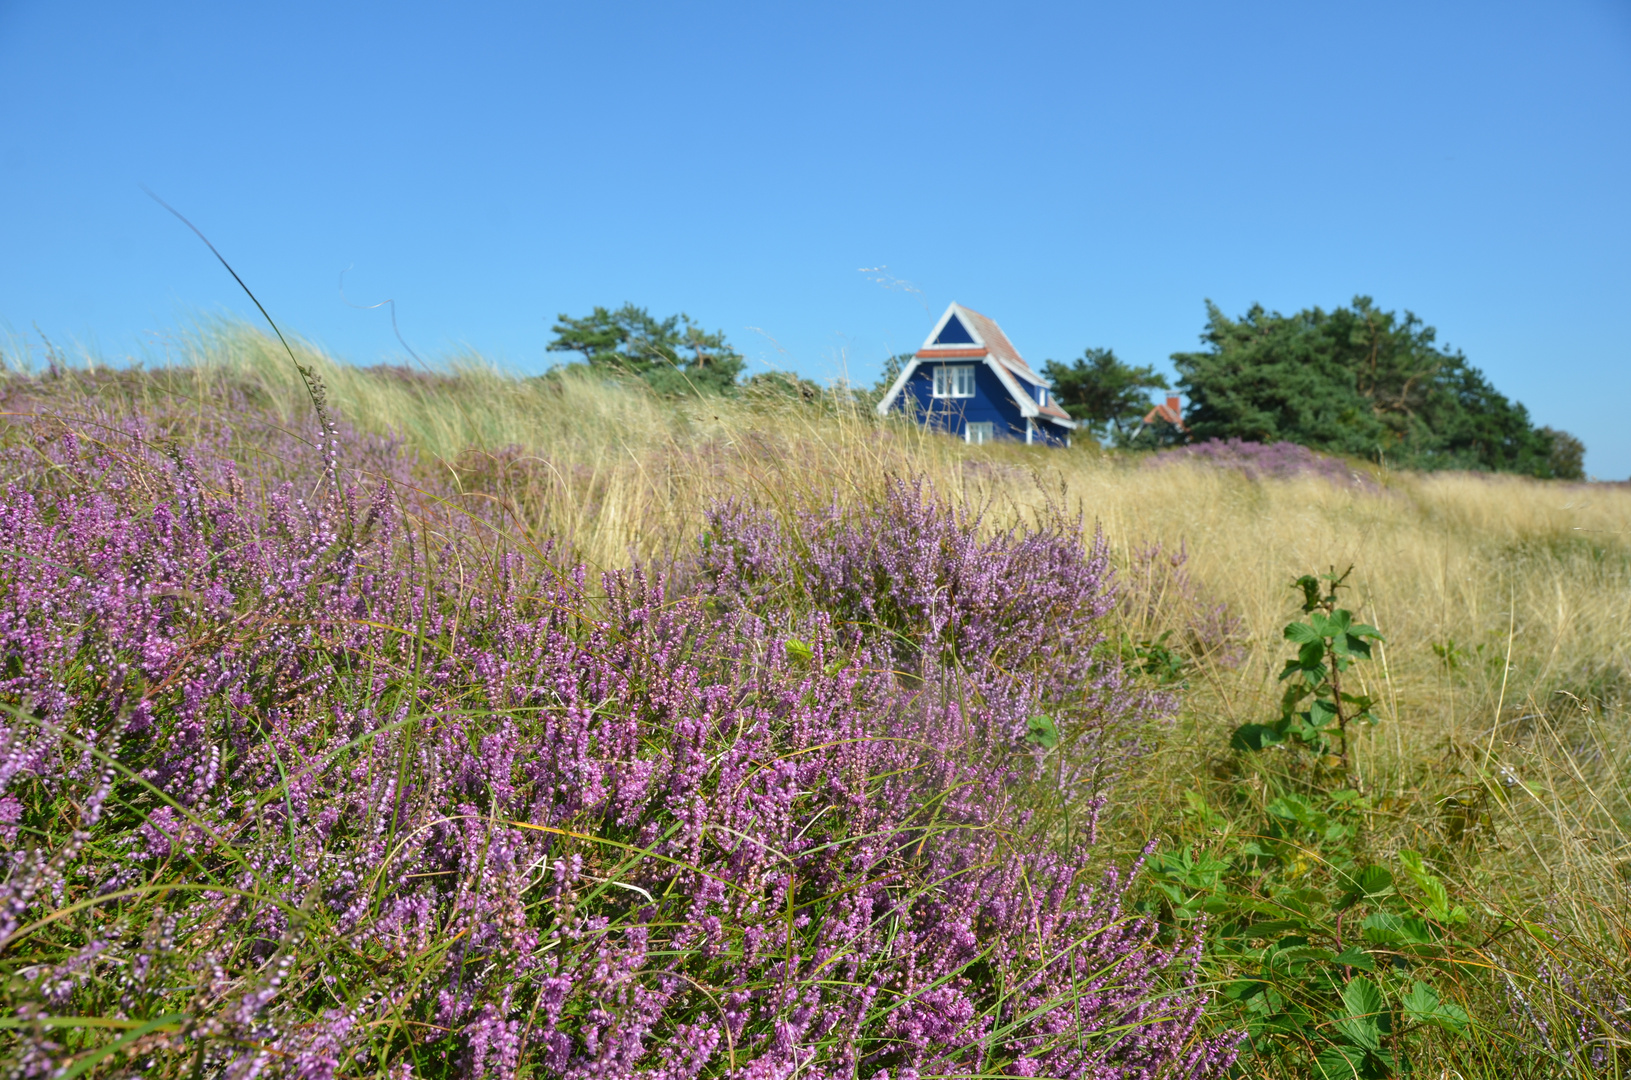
x=1355, y=381
x=787, y=385
x=1568, y=456
x=674, y=355
x=1110, y=396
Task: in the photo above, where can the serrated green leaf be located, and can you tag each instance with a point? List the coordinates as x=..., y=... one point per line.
x=1296, y=808
x=1302, y=633
x=1348, y=645
x=1342, y=1063
x=1423, y=1005
x=1355, y=957
x=1375, y=880
x=1042, y=732
x=1386, y=928
x=1363, y=1013
x=1254, y=737
x=1310, y=903
x=1438, y=906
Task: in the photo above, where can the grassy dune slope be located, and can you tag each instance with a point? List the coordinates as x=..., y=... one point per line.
x=1504, y=750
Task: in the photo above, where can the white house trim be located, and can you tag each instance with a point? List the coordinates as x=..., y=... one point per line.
x=1026, y=403
x=968, y=324
x=898, y=385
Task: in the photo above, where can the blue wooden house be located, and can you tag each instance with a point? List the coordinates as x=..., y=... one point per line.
x=968, y=380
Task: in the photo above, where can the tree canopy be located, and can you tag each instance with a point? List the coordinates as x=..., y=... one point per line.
x=1109, y=396
x=674, y=355
x=1362, y=382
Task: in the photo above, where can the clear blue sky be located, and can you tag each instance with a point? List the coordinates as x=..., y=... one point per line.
x=1087, y=174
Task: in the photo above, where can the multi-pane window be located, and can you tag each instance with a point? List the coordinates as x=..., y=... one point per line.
x=979, y=433
x=954, y=380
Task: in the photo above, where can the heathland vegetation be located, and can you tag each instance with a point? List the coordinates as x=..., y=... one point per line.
x=389, y=722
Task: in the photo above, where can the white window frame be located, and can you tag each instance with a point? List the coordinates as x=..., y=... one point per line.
x=979, y=433
x=954, y=380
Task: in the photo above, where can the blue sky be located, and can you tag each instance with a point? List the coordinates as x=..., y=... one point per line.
x=1087, y=174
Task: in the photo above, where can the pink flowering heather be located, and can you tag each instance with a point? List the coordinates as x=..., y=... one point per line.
x=1256, y=460
x=303, y=774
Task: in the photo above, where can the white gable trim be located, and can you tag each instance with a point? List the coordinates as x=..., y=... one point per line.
x=898, y=385
x=968, y=324
x=1027, y=406
x=1033, y=379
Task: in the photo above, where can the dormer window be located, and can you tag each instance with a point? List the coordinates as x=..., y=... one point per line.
x=954, y=381
x=1042, y=395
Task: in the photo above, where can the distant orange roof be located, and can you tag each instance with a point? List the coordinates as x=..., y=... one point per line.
x=1171, y=412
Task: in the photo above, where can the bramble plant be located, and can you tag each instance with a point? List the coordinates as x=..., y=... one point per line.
x=1327, y=954
x=1328, y=642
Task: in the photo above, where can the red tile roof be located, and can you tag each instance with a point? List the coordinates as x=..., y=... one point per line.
x=1171, y=412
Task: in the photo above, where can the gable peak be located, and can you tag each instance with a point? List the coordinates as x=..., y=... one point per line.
x=954, y=332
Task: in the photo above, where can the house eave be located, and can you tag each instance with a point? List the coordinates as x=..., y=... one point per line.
x=897, y=386
x=950, y=352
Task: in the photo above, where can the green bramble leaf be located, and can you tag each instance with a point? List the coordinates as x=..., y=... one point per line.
x=1349, y=645
x=1422, y=1004
x=1354, y=957
x=1364, y=1018
x=1302, y=633
x=1386, y=928
x=1371, y=884
x=1438, y=906
x=1255, y=737
x=1042, y=732
x=1337, y=1062
x=798, y=652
